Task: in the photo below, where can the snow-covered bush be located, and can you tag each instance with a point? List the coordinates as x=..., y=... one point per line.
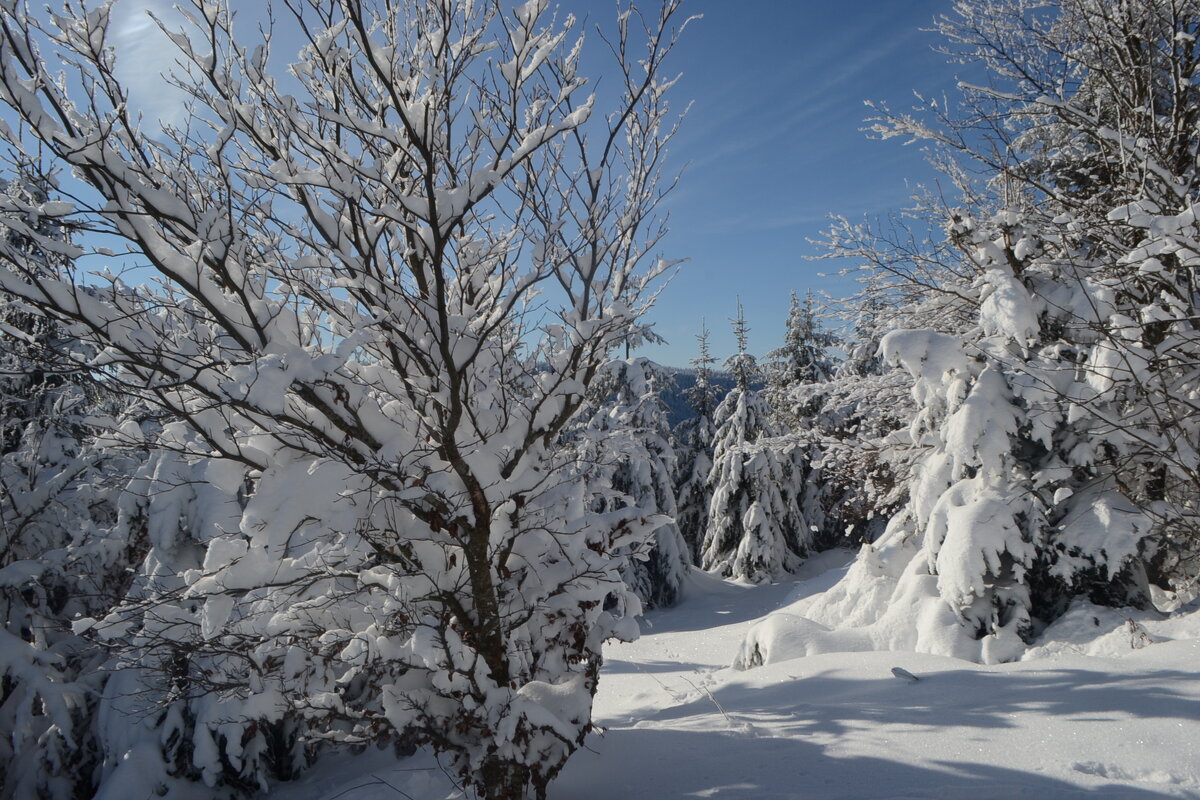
x=359, y=494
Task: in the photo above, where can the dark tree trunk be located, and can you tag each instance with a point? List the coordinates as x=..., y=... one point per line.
x=506, y=780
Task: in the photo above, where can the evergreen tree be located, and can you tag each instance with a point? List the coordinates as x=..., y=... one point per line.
x=742, y=365
x=627, y=459
x=869, y=322
x=755, y=526
x=703, y=395
x=802, y=360
x=59, y=488
x=797, y=378
x=694, y=441
x=859, y=470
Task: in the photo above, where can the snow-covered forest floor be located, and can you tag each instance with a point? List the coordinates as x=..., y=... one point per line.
x=679, y=722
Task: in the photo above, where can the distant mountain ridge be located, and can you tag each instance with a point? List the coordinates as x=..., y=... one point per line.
x=674, y=394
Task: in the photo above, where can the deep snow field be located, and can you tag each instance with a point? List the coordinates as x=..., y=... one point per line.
x=1110, y=710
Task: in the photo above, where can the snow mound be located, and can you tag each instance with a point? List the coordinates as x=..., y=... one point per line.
x=869, y=609
x=783, y=636
x=1092, y=630
x=873, y=607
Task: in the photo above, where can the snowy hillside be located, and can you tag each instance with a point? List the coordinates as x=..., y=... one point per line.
x=679, y=722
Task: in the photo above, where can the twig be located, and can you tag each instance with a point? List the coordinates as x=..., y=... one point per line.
x=710, y=697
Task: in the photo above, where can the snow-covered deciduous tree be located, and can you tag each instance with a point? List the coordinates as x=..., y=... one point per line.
x=339, y=334
x=755, y=527
x=694, y=441
x=626, y=457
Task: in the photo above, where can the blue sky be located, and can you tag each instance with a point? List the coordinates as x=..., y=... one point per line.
x=773, y=145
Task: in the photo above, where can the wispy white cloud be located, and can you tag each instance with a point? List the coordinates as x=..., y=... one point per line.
x=144, y=56
x=810, y=89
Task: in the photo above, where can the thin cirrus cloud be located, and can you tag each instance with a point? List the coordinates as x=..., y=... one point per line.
x=144, y=56
x=800, y=109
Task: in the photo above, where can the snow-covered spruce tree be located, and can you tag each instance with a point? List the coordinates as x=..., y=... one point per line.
x=58, y=499
x=1117, y=144
x=626, y=458
x=755, y=526
x=796, y=376
x=869, y=316
x=861, y=474
x=694, y=441
x=803, y=359
x=1059, y=427
x=338, y=332
x=194, y=695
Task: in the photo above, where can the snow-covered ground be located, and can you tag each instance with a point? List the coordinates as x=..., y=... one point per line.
x=679, y=722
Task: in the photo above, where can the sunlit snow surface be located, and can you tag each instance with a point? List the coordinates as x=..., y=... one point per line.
x=680, y=723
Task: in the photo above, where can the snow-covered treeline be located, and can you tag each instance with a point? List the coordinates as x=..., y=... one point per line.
x=1011, y=425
